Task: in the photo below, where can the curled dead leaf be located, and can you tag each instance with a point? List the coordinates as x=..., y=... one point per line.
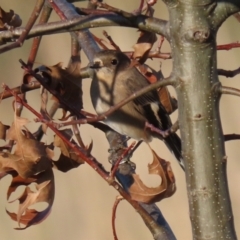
x=10, y=18
x=67, y=82
x=170, y=103
x=144, y=70
x=44, y=192
x=141, y=193
x=3, y=131
x=68, y=158
x=30, y=156
x=15, y=130
x=143, y=46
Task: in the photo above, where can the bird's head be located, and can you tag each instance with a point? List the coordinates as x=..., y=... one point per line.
x=110, y=61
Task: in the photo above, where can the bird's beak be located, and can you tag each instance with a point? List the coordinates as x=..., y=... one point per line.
x=95, y=65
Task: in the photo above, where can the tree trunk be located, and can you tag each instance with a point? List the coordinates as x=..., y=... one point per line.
x=193, y=44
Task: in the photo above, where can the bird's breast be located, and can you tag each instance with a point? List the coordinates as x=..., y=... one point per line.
x=101, y=106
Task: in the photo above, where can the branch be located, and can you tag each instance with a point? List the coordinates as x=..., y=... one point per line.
x=142, y=22
x=228, y=46
x=228, y=73
x=31, y=21
x=84, y=37
x=229, y=90
x=223, y=10
x=45, y=15
x=117, y=201
x=229, y=137
x=115, y=46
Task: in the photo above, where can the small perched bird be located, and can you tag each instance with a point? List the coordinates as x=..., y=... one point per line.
x=113, y=80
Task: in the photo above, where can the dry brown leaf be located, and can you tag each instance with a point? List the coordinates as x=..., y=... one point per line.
x=140, y=192
x=18, y=181
x=10, y=18
x=3, y=174
x=68, y=158
x=30, y=156
x=15, y=130
x=143, y=46
x=67, y=82
x=25, y=165
x=3, y=131
x=170, y=103
x=149, y=75
x=44, y=192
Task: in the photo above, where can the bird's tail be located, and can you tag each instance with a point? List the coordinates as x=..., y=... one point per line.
x=173, y=143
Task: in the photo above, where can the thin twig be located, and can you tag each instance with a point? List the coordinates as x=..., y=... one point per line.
x=45, y=15
x=113, y=9
x=160, y=43
x=27, y=29
x=229, y=137
x=136, y=147
x=228, y=46
x=27, y=79
x=229, y=90
x=92, y=4
x=140, y=9
x=117, y=201
x=142, y=22
x=153, y=54
x=111, y=41
x=228, y=73
x=100, y=42
x=21, y=89
x=75, y=60
x=77, y=134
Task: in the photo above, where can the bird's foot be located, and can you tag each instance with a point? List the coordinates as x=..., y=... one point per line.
x=162, y=133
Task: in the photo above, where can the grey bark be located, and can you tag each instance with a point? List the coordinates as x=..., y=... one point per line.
x=193, y=44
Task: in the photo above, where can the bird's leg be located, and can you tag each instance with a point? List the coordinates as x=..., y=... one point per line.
x=163, y=133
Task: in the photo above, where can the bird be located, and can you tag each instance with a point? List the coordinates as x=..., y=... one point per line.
x=113, y=80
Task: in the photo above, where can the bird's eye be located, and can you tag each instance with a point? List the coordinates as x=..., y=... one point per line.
x=114, y=61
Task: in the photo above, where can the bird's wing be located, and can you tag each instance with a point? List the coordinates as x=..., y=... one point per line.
x=148, y=104
x=137, y=84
